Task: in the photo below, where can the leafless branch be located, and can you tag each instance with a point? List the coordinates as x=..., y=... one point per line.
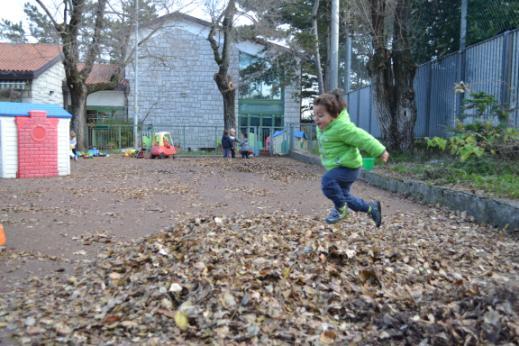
x=151, y=108
x=214, y=44
x=58, y=27
x=93, y=49
x=129, y=55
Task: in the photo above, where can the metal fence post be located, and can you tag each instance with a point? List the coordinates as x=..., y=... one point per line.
x=370, y=109
x=257, y=136
x=358, y=109
x=184, y=137
x=459, y=97
x=506, y=70
x=119, y=136
x=428, y=102
x=291, y=139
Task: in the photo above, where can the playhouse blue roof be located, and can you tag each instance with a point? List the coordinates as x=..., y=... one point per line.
x=297, y=133
x=278, y=133
x=15, y=109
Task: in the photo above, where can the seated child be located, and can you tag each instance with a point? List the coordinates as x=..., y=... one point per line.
x=73, y=144
x=244, y=147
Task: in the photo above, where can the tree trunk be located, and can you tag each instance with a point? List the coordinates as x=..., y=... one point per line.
x=392, y=73
x=395, y=99
x=229, y=109
x=404, y=72
x=228, y=92
x=223, y=59
x=78, y=97
x=69, y=33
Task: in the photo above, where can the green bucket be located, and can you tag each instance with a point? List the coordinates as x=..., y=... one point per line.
x=368, y=163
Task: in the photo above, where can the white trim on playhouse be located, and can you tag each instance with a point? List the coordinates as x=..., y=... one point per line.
x=8, y=148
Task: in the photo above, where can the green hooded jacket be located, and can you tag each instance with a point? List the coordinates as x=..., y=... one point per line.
x=344, y=114
x=340, y=141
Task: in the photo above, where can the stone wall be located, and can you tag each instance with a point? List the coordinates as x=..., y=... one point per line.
x=496, y=212
x=176, y=85
x=292, y=104
x=492, y=211
x=177, y=91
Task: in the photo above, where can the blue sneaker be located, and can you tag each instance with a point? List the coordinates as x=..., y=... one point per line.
x=375, y=211
x=336, y=215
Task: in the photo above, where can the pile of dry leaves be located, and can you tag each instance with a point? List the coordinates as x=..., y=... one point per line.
x=283, y=279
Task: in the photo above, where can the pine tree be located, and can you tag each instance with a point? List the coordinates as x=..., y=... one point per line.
x=12, y=32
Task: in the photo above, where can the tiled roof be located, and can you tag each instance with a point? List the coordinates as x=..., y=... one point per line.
x=28, y=58
x=101, y=73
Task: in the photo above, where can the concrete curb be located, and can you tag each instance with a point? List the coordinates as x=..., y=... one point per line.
x=311, y=159
x=487, y=210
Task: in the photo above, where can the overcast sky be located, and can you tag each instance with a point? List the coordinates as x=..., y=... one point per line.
x=13, y=9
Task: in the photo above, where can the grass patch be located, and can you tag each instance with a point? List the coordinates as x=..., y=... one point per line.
x=494, y=176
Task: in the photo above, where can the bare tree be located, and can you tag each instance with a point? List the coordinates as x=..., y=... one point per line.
x=392, y=69
x=223, y=23
x=120, y=14
x=94, y=31
x=68, y=29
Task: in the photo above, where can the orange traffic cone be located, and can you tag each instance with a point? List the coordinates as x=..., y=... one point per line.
x=3, y=238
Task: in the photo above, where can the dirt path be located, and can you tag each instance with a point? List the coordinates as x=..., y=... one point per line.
x=56, y=227
x=54, y=223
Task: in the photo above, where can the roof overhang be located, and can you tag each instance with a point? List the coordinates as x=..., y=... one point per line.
x=30, y=75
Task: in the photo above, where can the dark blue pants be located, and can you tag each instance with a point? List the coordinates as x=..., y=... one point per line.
x=226, y=152
x=336, y=184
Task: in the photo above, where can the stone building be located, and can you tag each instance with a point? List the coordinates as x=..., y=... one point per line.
x=177, y=92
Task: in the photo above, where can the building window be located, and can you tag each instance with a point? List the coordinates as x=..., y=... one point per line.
x=263, y=120
x=14, y=91
x=258, y=79
x=107, y=114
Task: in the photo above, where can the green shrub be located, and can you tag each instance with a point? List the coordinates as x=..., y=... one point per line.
x=481, y=136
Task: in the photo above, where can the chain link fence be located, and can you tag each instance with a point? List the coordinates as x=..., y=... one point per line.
x=491, y=66
x=189, y=140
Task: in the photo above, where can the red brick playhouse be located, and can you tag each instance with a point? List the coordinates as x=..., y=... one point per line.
x=34, y=140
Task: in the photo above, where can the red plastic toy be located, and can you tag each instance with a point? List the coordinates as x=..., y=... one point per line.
x=162, y=145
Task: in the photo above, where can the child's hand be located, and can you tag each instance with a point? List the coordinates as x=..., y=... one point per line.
x=384, y=157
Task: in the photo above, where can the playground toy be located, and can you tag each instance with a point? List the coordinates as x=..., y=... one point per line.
x=34, y=140
x=3, y=238
x=162, y=145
